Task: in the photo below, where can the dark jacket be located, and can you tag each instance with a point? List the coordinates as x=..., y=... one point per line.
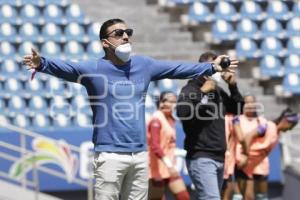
x=203, y=118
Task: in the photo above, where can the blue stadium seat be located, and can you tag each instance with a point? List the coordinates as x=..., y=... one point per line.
x=83, y=121
x=30, y=13
x=247, y=28
x=292, y=63
x=51, y=49
x=81, y=105
x=9, y=69
x=272, y=28
x=93, y=31
x=29, y=32
x=36, y=105
x=296, y=9
x=8, y=14
x=223, y=30
x=54, y=14
x=94, y=49
x=55, y=87
x=291, y=83
x=8, y=33
x=293, y=28
x=199, y=12
x=271, y=66
x=246, y=48
x=272, y=46
x=12, y=86
x=73, y=50
x=293, y=45
x=278, y=10
x=60, y=105
x=225, y=11
x=25, y=48
x=16, y=105
x=75, y=14
x=78, y=89
x=21, y=120
x=4, y=119
x=34, y=87
x=167, y=85
x=75, y=31
x=7, y=51
x=41, y=121
x=252, y=10
x=61, y=121
x=52, y=32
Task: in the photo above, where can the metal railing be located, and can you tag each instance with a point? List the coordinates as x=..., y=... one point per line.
x=34, y=183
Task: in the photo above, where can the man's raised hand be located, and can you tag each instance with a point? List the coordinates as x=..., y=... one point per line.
x=233, y=64
x=33, y=61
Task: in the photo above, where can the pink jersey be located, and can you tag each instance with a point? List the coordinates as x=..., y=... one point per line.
x=167, y=144
x=260, y=147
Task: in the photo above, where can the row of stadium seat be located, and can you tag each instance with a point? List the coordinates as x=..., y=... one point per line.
x=40, y=121
x=51, y=13
x=71, y=49
x=41, y=3
x=247, y=28
x=50, y=31
x=200, y=12
x=248, y=48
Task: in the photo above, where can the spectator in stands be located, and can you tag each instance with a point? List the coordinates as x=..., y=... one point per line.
x=201, y=107
x=262, y=140
x=162, y=145
x=116, y=85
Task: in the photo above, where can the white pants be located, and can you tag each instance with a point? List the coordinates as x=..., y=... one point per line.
x=121, y=176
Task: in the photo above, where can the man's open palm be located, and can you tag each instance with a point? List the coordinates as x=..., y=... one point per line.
x=33, y=61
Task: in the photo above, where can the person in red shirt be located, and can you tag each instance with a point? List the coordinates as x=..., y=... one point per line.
x=261, y=141
x=161, y=136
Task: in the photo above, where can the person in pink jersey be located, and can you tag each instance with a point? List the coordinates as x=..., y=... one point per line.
x=261, y=140
x=162, y=144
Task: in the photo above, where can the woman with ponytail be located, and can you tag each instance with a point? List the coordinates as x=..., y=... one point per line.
x=162, y=144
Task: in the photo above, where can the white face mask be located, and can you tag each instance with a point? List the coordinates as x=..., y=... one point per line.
x=123, y=52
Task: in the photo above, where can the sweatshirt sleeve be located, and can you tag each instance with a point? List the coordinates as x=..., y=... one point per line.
x=154, y=128
x=178, y=70
x=235, y=102
x=67, y=70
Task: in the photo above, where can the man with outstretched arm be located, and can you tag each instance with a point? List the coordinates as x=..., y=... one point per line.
x=116, y=85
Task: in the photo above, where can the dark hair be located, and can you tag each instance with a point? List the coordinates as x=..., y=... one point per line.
x=106, y=24
x=162, y=97
x=288, y=113
x=207, y=55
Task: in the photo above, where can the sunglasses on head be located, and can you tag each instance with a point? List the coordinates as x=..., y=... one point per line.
x=120, y=32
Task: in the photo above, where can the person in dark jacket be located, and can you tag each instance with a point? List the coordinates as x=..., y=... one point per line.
x=202, y=106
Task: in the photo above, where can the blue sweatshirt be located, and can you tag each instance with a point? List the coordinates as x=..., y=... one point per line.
x=117, y=94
